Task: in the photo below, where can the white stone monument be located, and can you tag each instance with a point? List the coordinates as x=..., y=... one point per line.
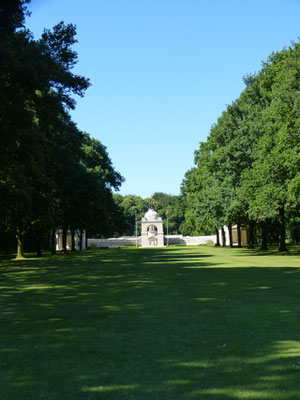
x=152, y=230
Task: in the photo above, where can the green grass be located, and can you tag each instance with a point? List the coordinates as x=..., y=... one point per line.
x=176, y=323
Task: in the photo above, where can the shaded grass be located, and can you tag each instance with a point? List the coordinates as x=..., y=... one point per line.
x=177, y=323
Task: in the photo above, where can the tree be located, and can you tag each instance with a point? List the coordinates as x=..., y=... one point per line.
x=36, y=85
x=248, y=170
x=132, y=207
x=166, y=203
x=273, y=180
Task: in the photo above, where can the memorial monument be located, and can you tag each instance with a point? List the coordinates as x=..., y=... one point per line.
x=152, y=230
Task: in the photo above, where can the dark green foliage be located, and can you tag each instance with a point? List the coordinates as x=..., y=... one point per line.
x=132, y=209
x=173, y=205
x=248, y=171
x=12, y=15
x=51, y=174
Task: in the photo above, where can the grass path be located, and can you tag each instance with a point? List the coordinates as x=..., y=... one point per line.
x=177, y=323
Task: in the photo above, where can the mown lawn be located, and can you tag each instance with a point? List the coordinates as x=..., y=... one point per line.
x=175, y=323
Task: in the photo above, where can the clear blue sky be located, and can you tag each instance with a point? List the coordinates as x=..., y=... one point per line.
x=162, y=72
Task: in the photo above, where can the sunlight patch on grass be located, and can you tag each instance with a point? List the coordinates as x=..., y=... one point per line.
x=194, y=364
x=272, y=378
x=109, y=277
x=282, y=350
x=248, y=394
x=133, y=306
x=11, y=350
x=27, y=259
x=112, y=308
x=37, y=287
x=206, y=299
x=288, y=348
x=85, y=294
x=146, y=281
x=109, y=388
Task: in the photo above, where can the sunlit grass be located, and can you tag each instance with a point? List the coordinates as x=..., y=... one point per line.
x=175, y=323
x=109, y=388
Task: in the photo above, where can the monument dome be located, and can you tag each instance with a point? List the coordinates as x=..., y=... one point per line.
x=151, y=215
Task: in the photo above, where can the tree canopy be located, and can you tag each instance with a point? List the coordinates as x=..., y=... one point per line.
x=52, y=175
x=247, y=172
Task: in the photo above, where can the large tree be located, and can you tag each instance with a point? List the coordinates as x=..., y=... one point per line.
x=248, y=170
x=51, y=174
x=273, y=182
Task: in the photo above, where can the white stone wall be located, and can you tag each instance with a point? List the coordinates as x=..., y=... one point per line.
x=114, y=242
x=131, y=241
x=191, y=240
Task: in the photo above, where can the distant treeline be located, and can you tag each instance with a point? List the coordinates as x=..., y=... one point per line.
x=134, y=207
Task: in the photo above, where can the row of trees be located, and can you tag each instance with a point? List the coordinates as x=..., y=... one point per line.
x=248, y=171
x=52, y=175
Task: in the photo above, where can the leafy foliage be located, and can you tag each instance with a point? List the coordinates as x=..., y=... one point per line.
x=134, y=208
x=248, y=170
x=51, y=174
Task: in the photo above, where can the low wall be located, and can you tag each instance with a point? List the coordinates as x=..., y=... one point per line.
x=114, y=242
x=191, y=240
x=172, y=239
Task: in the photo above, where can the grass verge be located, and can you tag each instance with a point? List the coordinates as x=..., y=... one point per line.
x=174, y=323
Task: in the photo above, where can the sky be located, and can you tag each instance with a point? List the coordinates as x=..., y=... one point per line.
x=162, y=72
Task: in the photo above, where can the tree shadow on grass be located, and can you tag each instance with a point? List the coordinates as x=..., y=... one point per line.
x=272, y=251
x=138, y=325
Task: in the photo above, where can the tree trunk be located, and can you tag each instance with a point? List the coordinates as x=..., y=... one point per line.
x=295, y=232
x=64, y=239
x=20, y=248
x=239, y=235
x=39, y=244
x=282, y=245
x=73, y=240
x=218, y=238
x=251, y=235
x=230, y=235
x=53, y=241
x=263, y=236
x=223, y=237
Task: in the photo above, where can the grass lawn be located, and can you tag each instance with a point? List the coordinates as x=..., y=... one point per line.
x=175, y=323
